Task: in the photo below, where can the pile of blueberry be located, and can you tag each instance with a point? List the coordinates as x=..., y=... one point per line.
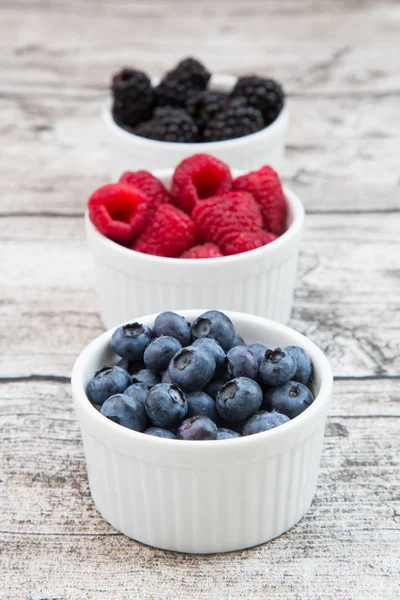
x=199, y=381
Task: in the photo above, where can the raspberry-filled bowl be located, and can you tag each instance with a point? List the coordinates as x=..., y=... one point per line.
x=204, y=495
x=156, y=123
x=237, y=263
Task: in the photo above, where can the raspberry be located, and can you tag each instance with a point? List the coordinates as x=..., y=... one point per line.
x=150, y=186
x=264, y=94
x=119, y=211
x=169, y=125
x=266, y=188
x=203, y=251
x=220, y=216
x=198, y=177
x=235, y=243
x=169, y=233
x=133, y=98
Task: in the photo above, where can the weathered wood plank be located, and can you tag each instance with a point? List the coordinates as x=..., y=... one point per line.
x=332, y=146
x=346, y=299
x=47, y=512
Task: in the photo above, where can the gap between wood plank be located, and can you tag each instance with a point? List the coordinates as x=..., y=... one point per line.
x=61, y=215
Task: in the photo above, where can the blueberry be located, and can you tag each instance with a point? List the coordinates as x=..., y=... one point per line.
x=132, y=366
x=166, y=405
x=173, y=325
x=227, y=434
x=130, y=341
x=291, y=398
x=214, y=324
x=277, y=367
x=107, y=382
x=241, y=362
x=160, y=432
x=166, y=378
x=125, y=411
x=197, y=428
x=239, y=399
x=138, y=391
x=304, y=365
x=158, y=354
x=147, y=377
x=192, y=368
x=213, y=387
x=216, y=350
x=259, y=351
x=200, y=403
x=237, y=341
x=263, y=421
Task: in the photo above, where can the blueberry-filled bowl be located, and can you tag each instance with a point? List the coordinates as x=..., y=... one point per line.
x=128, y=151
x=259, y=281
x=204, y=496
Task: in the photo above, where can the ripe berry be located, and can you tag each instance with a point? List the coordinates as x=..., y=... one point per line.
x=216, y=325
x=277, y=367
x=241, y=362
x=264, y=420
x=227, y=434
x=192, y=368
x=290, y=398
x=158, y=354
x=197, y=428
x=126, y=411
x=131, y=340
x=174, y=325
x=107, y=382
x=263, y=94
x=200, y=403
x=198, y=177
x=304, y=365
x=166, y=405
x=239, y=399
x=169, y=233
x=160, y=432
x=118, y=211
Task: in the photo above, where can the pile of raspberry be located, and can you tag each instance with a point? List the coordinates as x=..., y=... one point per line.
x=181, y=108
x=206, y=214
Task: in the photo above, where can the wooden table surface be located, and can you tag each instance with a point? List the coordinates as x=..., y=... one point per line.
x=340, y=64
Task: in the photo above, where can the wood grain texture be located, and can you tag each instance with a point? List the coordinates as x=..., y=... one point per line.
x=48, y=518
x=340, y=65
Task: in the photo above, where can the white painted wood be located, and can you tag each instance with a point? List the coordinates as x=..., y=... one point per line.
x=340, y=65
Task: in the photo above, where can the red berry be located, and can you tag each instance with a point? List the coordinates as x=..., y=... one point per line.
x=119, y=211
x=198, y=177
x=234, y=212
x=266, y=188
x=235, y=243
x=203, y=251
x=150, y=185
x=168, y=233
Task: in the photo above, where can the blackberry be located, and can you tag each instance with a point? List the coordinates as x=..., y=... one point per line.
x=169, y=125
x=203, y=106
x=189, y=75
x=236, y=121
x=192, y=70
x=264, y=94
x=133, y=98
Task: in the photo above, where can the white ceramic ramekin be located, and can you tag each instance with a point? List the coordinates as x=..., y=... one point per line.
x=260, y=282
x=206, y=496
x=129, y=152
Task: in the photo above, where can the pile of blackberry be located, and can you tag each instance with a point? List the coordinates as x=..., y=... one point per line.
x=181, y=108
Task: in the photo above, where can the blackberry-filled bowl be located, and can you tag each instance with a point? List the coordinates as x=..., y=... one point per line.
x=204, y=496
x=128, y=151
x=259, y=281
